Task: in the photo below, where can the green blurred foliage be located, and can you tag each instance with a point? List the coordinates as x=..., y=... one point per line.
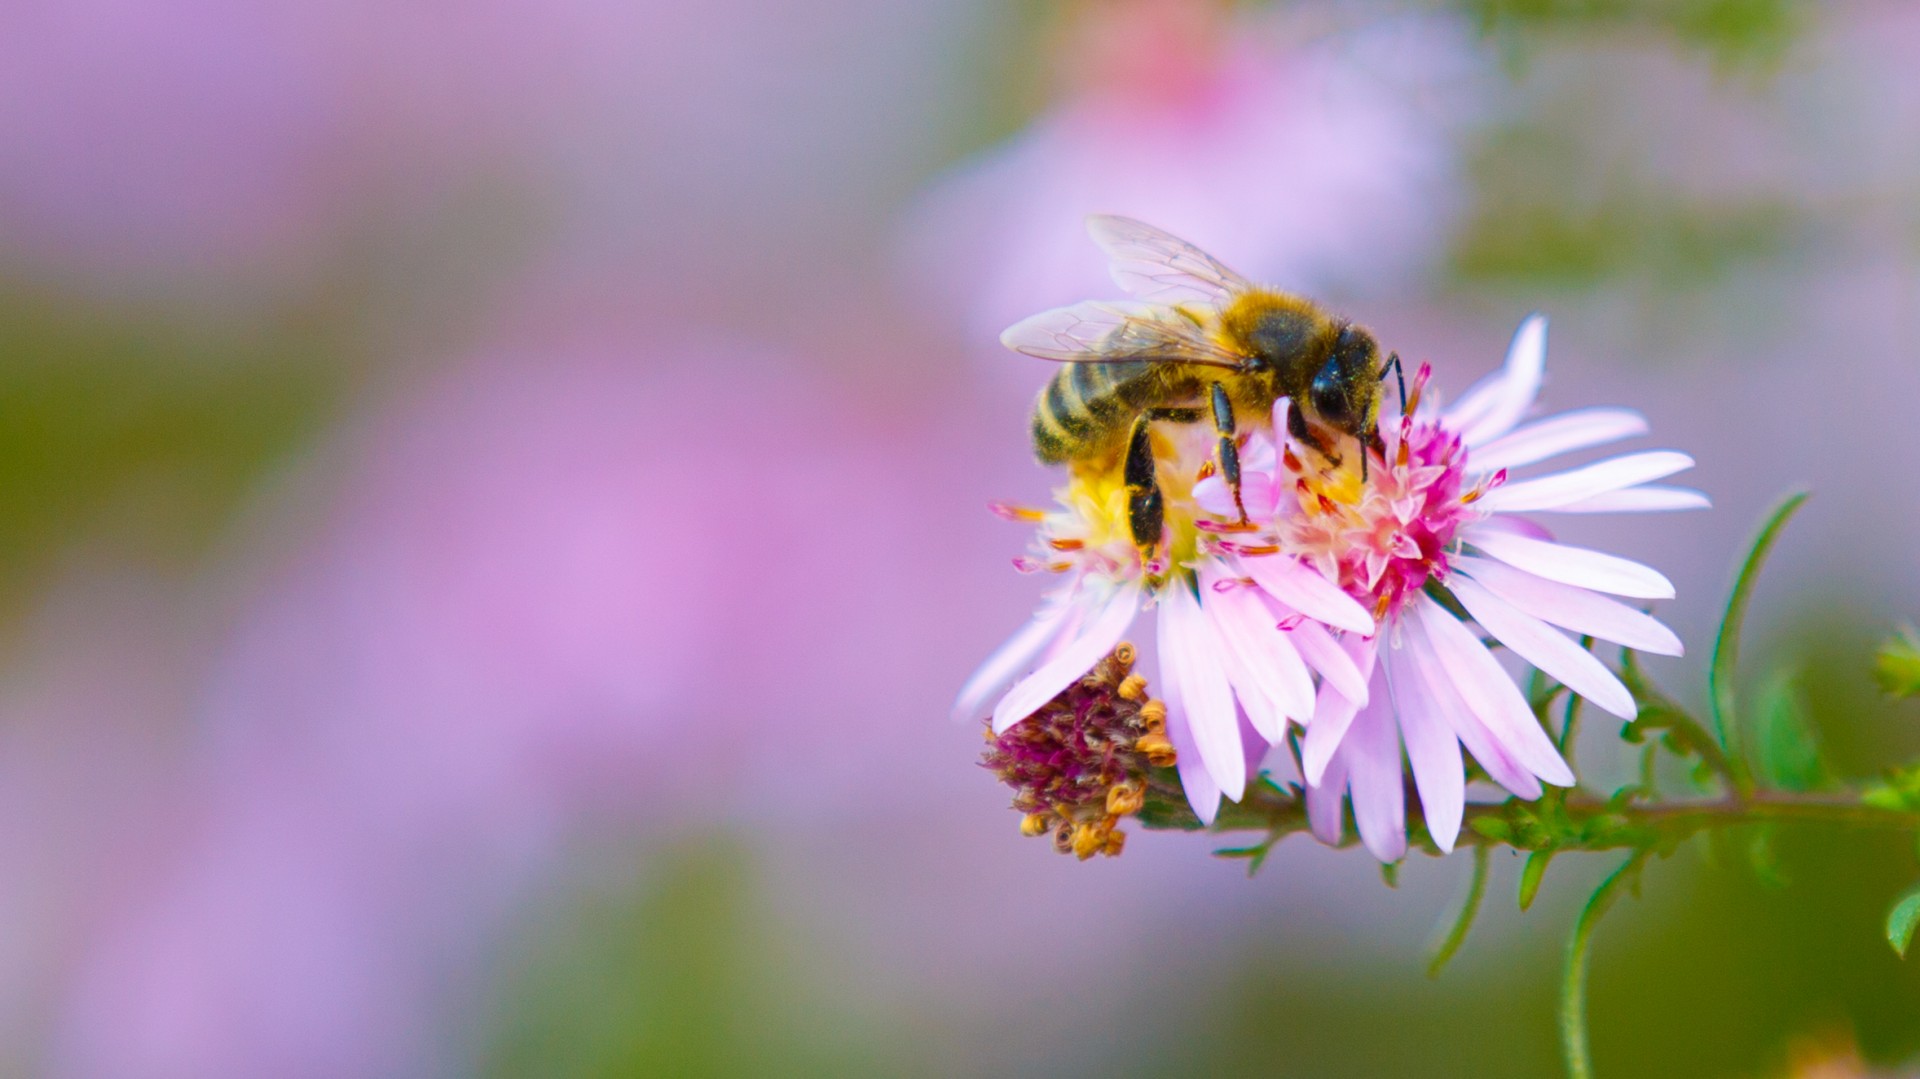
x=1896, y=667
x=1730, y=32
x=1546, y=216
x=140, y=428
x=684, y=973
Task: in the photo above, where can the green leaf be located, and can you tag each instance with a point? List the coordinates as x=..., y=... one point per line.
x=1726, y=644
x=1463, y=921
x=1789, y=755
x=1255, y=855
x=1390, y=873
x=1530, y=875
x=1897, y=666
x=1901, y=922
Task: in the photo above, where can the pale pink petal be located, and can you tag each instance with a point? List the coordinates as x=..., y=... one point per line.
x=1586, y=613
x=1203, y=794
x=1304, y=590
x=1562, y=488
x=1257, y=493
x=1190, y=656
x=1266, y=715
x=1516, y=526
x=1280, y=409
x=1259, y=655
x=1009, y=660
x=1495, y=404
x=1253, y=745
x=1489, y=694
x=1546, y=648
x=1324, y=654
x=1372, y=751
x=1324, y=803
x=1652, y=498
x=1432, y=750
x=1075, y=660
x=1498, y=762
x=1560, y=434
x=1334, y=712
x=1573, y=565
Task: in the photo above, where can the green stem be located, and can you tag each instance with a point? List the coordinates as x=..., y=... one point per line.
x=1578, y=823
x=1573, y=996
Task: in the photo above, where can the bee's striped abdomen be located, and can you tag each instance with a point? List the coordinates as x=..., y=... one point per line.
x=1081, y=412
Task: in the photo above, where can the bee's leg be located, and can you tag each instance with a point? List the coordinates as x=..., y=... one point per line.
x=1145, y=512
x=1229, y=449
x=1298, y=427
x=1399, y=376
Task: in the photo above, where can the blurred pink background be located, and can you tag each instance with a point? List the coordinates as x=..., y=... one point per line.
x=497, y=509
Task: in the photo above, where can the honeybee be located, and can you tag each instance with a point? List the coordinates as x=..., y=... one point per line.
x=1196, y=339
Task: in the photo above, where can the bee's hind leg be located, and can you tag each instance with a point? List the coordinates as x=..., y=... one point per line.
x=1145, y=510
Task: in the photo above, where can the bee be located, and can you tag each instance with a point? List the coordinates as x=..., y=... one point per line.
x=1198, y=339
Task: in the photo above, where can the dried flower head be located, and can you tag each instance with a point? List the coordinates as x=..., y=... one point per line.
x=1082, y=761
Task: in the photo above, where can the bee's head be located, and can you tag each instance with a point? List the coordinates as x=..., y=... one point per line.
x=1345, y=391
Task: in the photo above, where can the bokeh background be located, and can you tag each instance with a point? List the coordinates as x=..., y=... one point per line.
x=492, y=505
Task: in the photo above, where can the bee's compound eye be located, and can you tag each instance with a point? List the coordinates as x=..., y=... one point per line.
x=1329, y=397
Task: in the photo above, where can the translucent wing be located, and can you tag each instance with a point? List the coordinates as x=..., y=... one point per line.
x=1158, y=266
x=1099, y=331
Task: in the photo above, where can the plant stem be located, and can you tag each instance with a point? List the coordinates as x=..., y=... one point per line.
x=1578, y=823
x=1573, y=995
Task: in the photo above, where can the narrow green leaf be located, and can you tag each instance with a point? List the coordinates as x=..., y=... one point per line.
x=1530, y=875
x=1390, y=873
x=1463, y=921
x=1726, y=644
x=1787, y=752
x=1897, y=666
x=1573, y=989
x=1901, y=922
x=1255, y=855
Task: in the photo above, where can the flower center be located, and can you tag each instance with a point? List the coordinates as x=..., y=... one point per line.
x=1383, y=538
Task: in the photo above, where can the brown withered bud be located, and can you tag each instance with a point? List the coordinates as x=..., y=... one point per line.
x=1079, y=764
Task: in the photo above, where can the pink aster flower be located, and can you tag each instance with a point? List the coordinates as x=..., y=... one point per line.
x=1435, y=515
x=1233, y=671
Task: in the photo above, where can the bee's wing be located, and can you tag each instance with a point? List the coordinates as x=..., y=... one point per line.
x=1099, y=331
x=1161, y=267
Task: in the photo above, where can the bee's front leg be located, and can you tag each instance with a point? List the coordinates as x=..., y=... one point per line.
x=1229, y=449
x=1303, y=432
x=1145, y=510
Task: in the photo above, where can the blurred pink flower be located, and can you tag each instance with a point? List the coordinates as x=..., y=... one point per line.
x=158, y=144
x=1307, y=165
x=544, y=600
